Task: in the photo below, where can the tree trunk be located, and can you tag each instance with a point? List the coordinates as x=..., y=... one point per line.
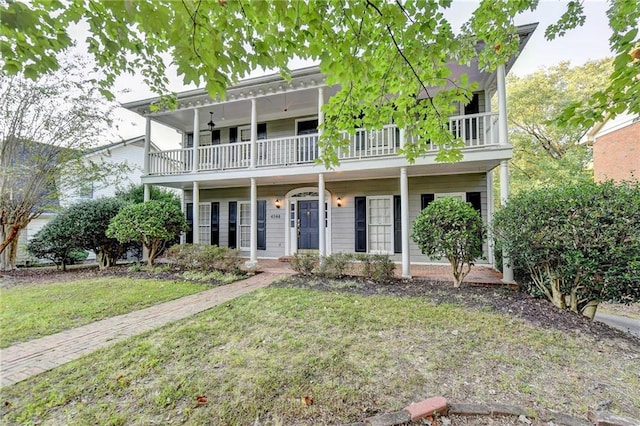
x=557, y=296
x=589, y=310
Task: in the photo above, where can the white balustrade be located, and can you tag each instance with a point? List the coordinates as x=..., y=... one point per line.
x=477, y=130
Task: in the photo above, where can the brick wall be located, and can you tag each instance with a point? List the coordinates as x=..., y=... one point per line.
x=616, y=155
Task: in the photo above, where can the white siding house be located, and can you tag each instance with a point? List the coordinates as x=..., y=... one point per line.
x=251, y=181
x=129, y=152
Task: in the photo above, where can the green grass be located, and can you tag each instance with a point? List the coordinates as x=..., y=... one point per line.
x=255, y=357
x=29, y=312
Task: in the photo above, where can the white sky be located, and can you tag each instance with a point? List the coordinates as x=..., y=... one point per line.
x=578, y=46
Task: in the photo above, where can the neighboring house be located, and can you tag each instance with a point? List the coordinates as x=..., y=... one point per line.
x=129, y=152
x=255, y=185
x=616, y=151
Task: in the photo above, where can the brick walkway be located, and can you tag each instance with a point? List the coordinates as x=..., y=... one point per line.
x=27, y=359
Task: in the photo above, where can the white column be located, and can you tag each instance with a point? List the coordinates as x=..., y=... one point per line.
x=254, y=223
x=147, y=192
x=490, y=208
x=320, y=114
x=183, y=204
x=507, y=270
x=321, y=213
x=196, y=142
x=147, y=145
x=196, y=213
x=402, y=138
x=254, y=132
x=147, y=197
x=404, y=220
x=503, y=134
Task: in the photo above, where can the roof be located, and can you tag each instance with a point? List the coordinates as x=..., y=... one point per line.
x=308, y=77
x=138, y=140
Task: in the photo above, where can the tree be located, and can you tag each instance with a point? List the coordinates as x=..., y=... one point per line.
x=386, y=56
x=153, y=223
x=44, y=127
x=89, y=222
x=450, y=228
x=580, y=244
x=52, y=242
x=135, y=194
x=545, y=151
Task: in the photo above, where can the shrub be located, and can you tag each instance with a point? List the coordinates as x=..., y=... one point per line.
x=52, y=242
x=382, y=269
x=305, y=263
x=153, y=223
x=580, y=244
x=335, y=265
x=451, y=228
x=204, y=258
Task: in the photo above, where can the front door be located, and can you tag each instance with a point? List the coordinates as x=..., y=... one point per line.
x=308, y=225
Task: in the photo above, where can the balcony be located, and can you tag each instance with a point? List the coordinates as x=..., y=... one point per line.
x=476, y=130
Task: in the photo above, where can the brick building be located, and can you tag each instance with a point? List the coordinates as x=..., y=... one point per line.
x=616, y=153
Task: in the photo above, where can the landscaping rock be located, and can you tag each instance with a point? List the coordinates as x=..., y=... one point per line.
x=427, y=408
x=564, y=419
x=469, y=409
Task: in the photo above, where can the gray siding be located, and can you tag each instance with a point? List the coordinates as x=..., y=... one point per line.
x=342, y=218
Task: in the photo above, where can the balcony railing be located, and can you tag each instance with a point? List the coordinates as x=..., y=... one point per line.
x=477, y=130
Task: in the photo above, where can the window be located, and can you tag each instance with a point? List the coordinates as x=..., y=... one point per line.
x=86, y=191
x=204, y=225
x=244, y=213
x=380, y=224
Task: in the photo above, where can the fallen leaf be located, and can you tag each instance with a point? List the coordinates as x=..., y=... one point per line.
x=202, y=399
x=307, y=400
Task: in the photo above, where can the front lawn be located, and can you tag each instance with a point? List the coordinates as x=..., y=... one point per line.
x=32, y=311
x=300, y=356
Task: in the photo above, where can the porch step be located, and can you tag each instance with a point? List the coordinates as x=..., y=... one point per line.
x=285, y=259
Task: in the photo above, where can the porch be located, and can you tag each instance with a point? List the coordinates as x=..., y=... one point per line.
x=479, y=275
x=477, y=131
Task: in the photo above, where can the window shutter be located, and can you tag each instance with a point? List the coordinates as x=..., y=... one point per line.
x=262, y=225
x=215, y=223
x=361, y=224
x=397, y=225
x=215, y=137
x=425, y=199
x=233, y=230
x=189, y=236
x=475, y=198
x=189, y=140
x=262, y=130
x=233, y=134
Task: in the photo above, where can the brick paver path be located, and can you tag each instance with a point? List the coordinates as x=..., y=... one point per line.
x=27, y=359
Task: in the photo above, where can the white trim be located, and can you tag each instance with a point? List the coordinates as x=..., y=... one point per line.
x=302, y=119
x=240, y=225
x=291, y=243
x=389, y=198
x=461, y=195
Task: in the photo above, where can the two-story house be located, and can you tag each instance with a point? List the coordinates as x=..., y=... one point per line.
x=250, y=181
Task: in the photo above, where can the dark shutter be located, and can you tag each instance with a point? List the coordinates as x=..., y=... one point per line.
x=473, y=107
x=475, y=198
x=215, y=137
x=233, y=217
x=262, y=131
x=425, y=199
x=215, y=223
x=189, y=238
x=361, y=224
x=189, y=142
x=397, y=225
x=262, y=224
x=233, y=134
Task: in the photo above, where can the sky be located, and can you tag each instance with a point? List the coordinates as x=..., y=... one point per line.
x=578, y=46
